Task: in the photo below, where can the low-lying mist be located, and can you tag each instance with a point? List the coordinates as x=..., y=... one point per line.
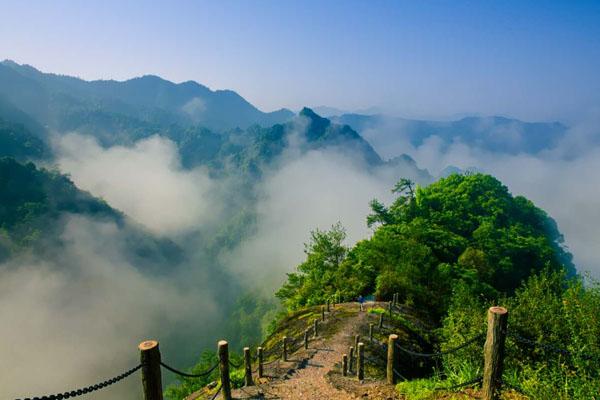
x=76, y=320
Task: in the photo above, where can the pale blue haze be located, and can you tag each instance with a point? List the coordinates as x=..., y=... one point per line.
x=533, y=60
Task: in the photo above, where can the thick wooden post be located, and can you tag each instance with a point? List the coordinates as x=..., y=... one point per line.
x=391, y=359
x=356, y=340
x=360, y=361
x=285, y=348
x=316, y=328
x=380, y=321
x=390, y=309
x=493, y=351
x=223, y=351
x=151, y=377
x=259, y=355
x=351, y=358
x=328, y=306
x=322, y=313
x=306, y=339
x=370, y=332
x=247, y=368
x=345, y=365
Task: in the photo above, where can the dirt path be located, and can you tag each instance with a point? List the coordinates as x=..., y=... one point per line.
x=311, y=382
x=307, y=376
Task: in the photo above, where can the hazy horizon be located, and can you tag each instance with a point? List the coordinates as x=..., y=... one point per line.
x=428, y=60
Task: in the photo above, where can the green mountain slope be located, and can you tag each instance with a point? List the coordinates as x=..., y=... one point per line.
x=36, y=203
x=16, y=141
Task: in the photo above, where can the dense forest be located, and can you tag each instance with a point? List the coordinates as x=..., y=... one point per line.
x=452, y=249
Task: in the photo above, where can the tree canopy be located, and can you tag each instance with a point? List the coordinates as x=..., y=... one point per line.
x=466, y=228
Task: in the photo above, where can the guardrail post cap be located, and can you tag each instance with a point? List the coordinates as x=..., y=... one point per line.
x=393, y=336
x=148, y=344
x=498, y=310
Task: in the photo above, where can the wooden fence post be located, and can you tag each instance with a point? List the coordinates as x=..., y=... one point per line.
x=356, y=340
x=390, y=309
x=223, y=351
x=381, y=321
x=247, y=367
x=306, y=339
x=350, y=358
x=360, y=361
x=316, y=327
x=345, y=365
x=328, y=310
x=285, y=348
x=493, y=351
x=260, y=361
x=391, y=359
x=322, y=313
x=370, y=332
x=151, y=377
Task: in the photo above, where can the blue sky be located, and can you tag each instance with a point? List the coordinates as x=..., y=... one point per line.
x=533, y=60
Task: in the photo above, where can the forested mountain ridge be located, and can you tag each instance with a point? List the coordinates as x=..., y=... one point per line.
x=215, y=129
x=450, y=250
x=16, y=141
x=55, y=99
x=36, y=203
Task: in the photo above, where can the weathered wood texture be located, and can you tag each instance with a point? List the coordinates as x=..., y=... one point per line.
x=247, y=368
x=391, y=359
x=223, y=351
x=151, y=376
x=494, y=352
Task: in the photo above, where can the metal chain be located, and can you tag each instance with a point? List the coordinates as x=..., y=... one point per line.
x=549, y=347
x=418, y=324
x=234, y=365
x=200, y=375
x=399, y=374
x=440, y=353
x=88, y=389
x=217, y=393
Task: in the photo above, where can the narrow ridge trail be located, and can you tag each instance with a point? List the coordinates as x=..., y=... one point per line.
x=307, y=374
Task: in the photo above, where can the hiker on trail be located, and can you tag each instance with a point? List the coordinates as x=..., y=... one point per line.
x=361, y=299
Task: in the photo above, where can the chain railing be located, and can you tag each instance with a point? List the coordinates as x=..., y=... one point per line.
x=491, y=381
x=441, y=353
x=88, y=389
x=187, y=375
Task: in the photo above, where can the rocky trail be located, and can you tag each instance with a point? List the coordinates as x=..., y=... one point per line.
x=315, y=373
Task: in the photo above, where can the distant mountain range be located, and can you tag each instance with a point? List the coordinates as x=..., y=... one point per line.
x=217, y=130
x=59, y=102
x=496, y=134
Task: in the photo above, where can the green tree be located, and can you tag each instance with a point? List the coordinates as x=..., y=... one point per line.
x=314, y=282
